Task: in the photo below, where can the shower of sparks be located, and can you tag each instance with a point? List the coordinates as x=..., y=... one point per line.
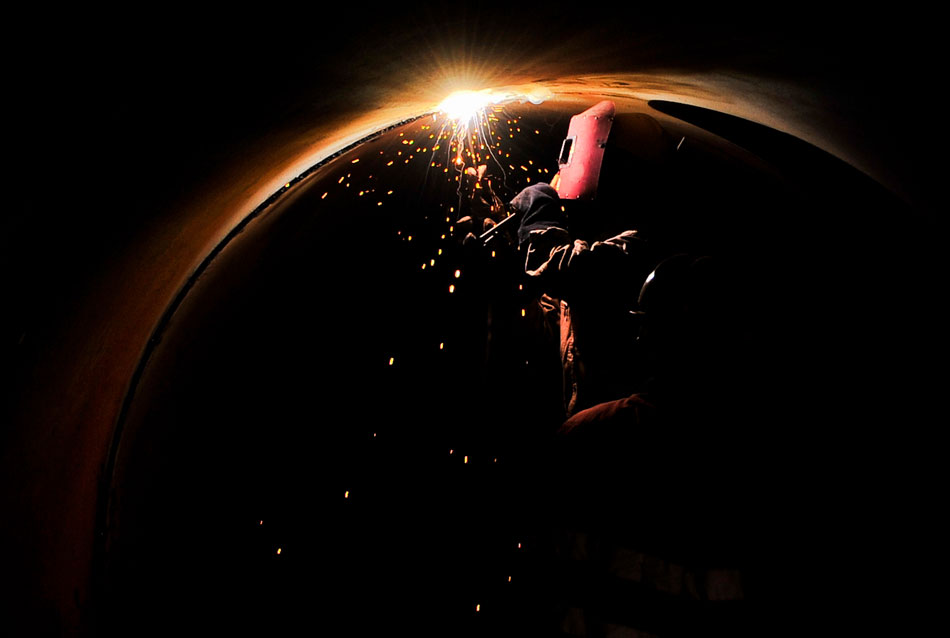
x=474, y=148
x=470, y=129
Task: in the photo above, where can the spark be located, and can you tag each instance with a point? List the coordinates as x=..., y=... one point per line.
x=469, y=119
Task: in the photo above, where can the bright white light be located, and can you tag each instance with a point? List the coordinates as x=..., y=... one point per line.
x=464, y=105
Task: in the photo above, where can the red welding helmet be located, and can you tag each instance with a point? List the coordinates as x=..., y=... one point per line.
x=582, y=152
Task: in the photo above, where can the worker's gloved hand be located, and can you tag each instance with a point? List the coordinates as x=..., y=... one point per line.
x=541, y=209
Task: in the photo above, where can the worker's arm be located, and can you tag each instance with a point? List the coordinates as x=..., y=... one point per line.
x=562, y=266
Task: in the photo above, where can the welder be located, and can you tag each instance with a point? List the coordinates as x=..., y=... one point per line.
x=587, y=275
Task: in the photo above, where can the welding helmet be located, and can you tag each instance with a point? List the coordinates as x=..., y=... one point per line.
x=582, y=152
x=614, y=171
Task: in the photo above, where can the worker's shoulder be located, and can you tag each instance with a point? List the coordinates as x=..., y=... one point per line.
x=621, y=412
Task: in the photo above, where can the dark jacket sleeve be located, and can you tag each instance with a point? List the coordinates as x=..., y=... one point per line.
x=564, y=267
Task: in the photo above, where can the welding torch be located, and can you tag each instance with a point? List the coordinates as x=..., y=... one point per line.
x=507, y=222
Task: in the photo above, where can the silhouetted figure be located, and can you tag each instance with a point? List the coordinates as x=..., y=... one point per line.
x=586, y=291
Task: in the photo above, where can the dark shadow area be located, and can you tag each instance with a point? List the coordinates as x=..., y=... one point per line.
x=813, y=170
